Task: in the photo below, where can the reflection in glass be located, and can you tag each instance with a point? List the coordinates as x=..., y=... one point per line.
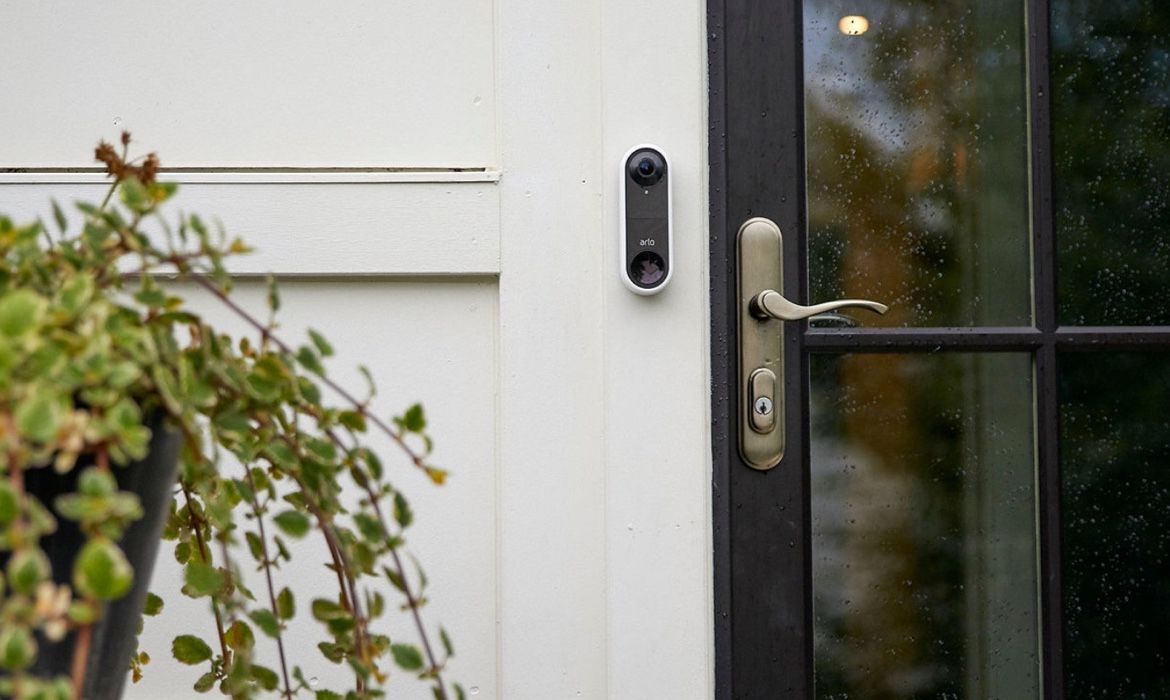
x=1115, y=432
x=923, y=525
x=916, y=137
x=1111, y=101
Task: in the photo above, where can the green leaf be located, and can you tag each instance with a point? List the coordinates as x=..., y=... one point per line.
x=96, y=482
x=265, y=676
x=102, y=571
x=325, y=610
x=327, y=695
x=320, y=343
x=371, y=387
x=154, y=605
x=414, y=420
x=17, y=648
x=189, y=649
x=282, y=454
x=369, y=526
x=293, y=523
x=203, y=579
x=27, y=568
x=134, y=195
x=353, y=420
x=20, y=311
x=9, y=504
x=255, y=546
x=286, y=606
x=59, y=216
x=331, y=651
x=447, y=646
x=395, y=578
x=183, y=552
x=162, y=191
x=273, y=295
x=408, y=657
x=309, y=360
x=39, y=416
x=239, y=636
x=151, y=296
x=266, y=621
x=206, y=682
x=323, y=450
x=402, y=512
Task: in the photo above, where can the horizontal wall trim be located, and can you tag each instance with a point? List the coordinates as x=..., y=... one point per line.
x=430, y=228
x=264, y=176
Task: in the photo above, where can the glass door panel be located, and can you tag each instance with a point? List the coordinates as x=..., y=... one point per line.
x=916, y=136
x=1111, y=102
x=923, y=526
x=1115, y=430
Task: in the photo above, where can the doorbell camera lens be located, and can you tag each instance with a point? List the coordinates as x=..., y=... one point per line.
x=646, y=168
x=647, y=269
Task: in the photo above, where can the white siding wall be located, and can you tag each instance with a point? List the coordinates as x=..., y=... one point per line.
x=450, y=220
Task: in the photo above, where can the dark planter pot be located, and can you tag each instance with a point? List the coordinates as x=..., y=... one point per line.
x=113, y=640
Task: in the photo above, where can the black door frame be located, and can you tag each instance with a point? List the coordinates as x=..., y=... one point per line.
x=762, y=557
x=762, y=622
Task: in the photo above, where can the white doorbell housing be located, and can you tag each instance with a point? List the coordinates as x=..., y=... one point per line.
x=647, y=251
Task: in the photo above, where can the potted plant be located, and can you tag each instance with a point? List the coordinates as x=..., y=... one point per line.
x=125, y=416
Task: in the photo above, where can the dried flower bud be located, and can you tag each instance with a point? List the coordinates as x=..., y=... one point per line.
x=149, y=169
x=105, y=153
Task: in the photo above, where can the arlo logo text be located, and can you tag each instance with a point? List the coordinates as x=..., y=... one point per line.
x=647, y=242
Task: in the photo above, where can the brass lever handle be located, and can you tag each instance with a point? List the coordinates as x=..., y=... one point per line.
x=772, y=304
x=759, y=260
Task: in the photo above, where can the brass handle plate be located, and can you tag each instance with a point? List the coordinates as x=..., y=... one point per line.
x=762, y=311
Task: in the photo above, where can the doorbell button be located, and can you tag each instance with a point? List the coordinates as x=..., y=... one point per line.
x=646, y=242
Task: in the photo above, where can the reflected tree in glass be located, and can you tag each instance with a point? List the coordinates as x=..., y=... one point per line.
x=923, y=522
x=917, y=159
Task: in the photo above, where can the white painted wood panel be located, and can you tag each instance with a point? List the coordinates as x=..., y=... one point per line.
x=657, y=370
x=313, y=228
x=258, y=83
x=552, y=392
x=605, y=461
x=430, y=341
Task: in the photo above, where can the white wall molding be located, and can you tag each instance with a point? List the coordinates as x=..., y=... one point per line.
x=365, y=228
x=264, y=176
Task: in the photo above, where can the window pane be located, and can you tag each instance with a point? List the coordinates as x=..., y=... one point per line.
x=1115, y=432
x=923, y=525
x=917, y=153
x=1111, y=67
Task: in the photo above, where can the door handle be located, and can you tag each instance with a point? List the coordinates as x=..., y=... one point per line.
x=759, y=273
x=771, y=304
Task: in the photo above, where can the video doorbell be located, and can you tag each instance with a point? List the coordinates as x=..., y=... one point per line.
x=647, y=249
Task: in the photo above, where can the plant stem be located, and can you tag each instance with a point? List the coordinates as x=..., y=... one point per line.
x=205, y=555
x=411, y=600
x=81, y=657
x=267, y=563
